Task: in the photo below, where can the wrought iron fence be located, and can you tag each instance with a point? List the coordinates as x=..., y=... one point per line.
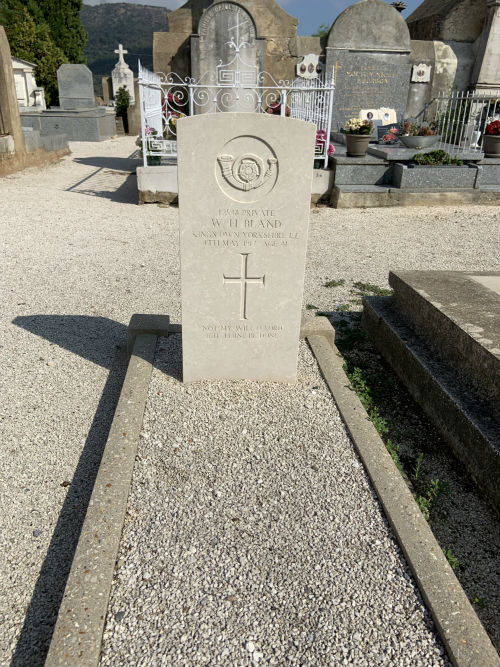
x=460, y=118
x=164, y=98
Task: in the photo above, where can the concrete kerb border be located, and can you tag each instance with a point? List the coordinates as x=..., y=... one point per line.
x=77, y=637
x=465, y=639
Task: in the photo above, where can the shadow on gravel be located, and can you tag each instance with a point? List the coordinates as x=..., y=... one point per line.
x=102, y=183
x=93, y=338
x=116, y=163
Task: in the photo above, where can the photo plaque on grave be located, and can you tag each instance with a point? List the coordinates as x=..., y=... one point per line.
x=244, y=200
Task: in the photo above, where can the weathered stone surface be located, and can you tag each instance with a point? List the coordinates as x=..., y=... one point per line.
x=368, y=51
x=9, y=113
x=450, y=20
x=244, y=208
x=122, y=76
x=76, y=90
x=175, y=51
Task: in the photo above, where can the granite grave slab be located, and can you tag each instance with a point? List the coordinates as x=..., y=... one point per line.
x=76, y=90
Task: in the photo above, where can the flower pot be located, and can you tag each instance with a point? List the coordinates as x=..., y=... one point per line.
x=319, y=163
x=419, y=142
x=153, y=160
x=491, y=145
x=357, y=144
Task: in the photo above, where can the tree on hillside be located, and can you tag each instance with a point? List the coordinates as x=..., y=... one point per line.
x=46, y=32
x=66, y=30
x=31, y=41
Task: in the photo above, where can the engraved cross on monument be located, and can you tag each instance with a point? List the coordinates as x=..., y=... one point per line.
x=244, y=280
x=244, y=200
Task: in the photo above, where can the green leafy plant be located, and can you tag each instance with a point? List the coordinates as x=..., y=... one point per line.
x=122, y=101
x=436, y=158
x=452, y=560
x=479, y=602
x=367, y=289
x=309, y=306
x=413, y=129
x=334, y=283
x=436, y=489
x=418, y=464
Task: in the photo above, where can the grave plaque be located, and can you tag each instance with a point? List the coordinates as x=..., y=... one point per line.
x=244, y=197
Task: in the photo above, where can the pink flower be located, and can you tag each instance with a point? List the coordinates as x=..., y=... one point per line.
x=331, y=149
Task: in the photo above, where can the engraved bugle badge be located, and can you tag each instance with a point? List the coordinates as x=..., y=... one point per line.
x=248, y=171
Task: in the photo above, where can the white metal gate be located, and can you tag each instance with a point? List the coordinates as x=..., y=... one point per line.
x=164, y=98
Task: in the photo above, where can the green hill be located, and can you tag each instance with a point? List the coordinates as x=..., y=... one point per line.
x=108, y=25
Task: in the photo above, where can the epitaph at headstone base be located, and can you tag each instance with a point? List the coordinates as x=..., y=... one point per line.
x=244, y=196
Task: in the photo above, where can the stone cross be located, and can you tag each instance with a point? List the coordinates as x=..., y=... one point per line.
x=243, y=279
x=244, y=200
x=121, y=52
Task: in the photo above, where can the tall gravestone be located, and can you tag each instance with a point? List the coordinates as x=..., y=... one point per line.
x=76, y=89
x=368, y=50
x=227, y=51
x=122, y=76
x=244, y=201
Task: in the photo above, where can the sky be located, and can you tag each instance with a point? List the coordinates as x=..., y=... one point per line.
x=310, y=13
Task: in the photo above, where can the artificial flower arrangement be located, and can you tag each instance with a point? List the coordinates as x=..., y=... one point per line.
x=408, y=128
x=493, y=128
x=358, y=126
x=391, y=136
x=321, y=143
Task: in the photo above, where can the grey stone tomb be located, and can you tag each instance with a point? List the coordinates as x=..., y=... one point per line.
x=244, y=200
x=368, y=50
x=76, y=90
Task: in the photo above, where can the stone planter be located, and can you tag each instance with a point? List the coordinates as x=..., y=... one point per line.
x=419, y=142
x=431, y=177
x=357, y=144
x=491, y=145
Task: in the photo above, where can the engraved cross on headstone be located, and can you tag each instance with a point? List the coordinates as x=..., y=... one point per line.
x=121, y=52
x=243, y=279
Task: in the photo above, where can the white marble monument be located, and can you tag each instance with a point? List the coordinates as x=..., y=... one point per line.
x=244, y=198
x=122, y=75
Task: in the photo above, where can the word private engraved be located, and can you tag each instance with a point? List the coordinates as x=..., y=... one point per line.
x=247, y=172
x=244, y=280
x=247, y=169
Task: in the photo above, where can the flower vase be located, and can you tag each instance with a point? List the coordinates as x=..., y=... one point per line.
x=357, y=144
x=491, y=145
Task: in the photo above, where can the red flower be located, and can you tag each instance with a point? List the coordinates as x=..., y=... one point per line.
x=493, y=127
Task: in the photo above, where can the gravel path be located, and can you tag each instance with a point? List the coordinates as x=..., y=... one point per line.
x=253, y=535
x=79, y=257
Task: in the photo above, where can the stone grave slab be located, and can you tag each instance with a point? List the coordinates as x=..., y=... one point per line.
x=76, y=90
x=244, y=197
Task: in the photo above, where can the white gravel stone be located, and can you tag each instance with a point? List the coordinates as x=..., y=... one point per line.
x=78, y=259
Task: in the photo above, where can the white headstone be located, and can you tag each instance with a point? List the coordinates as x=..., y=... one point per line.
x=244, y=199
x=122, y=75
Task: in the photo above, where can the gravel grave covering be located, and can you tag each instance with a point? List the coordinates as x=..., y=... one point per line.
x=253, y=535
x=79, y=257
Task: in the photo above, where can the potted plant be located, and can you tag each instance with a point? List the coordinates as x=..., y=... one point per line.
x=491, y=139
x=415, y=136
x=357, y=136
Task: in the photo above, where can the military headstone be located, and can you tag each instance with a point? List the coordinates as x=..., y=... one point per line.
x=244, y=199
x=76, y=89
x=368, y=51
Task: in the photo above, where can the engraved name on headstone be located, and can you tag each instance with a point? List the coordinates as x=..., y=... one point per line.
x=244, y=197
